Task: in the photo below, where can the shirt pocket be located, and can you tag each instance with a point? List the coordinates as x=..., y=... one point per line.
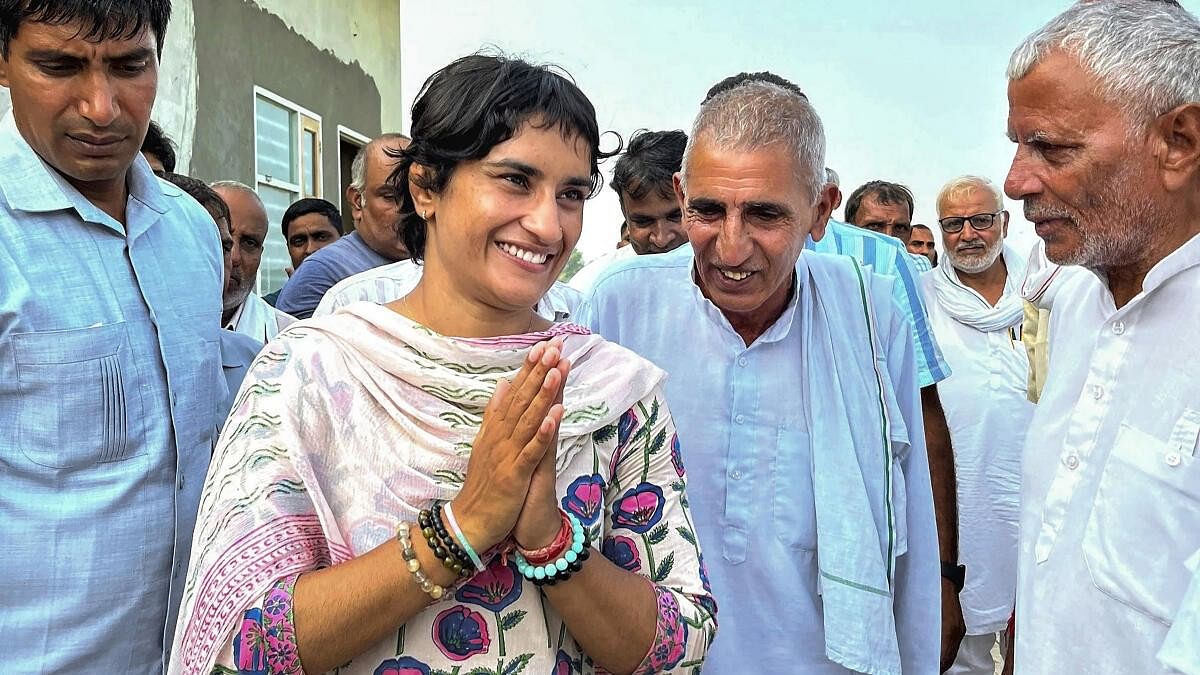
x=78, y=396
x=794, y=516
x=1148, y=486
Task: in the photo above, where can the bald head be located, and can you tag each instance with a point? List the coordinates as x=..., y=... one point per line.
x=373, y=202
x=248, y=226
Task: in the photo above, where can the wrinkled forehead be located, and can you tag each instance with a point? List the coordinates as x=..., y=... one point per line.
x=770, y=172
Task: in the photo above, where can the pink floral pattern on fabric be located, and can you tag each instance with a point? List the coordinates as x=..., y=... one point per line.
x=266, y=643
x=670, y=639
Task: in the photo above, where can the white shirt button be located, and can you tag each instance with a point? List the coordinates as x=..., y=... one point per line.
x=1072, y=462
x=740, y=419
x=1118, y=327
x=735, y=474
x=1097, y=392
x=1173, y=459
x=742, y=362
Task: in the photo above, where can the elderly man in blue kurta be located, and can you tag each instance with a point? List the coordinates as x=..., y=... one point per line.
x=794, y=377
x=109, y=370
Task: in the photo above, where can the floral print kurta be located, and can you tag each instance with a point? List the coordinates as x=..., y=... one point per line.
x=624, y=479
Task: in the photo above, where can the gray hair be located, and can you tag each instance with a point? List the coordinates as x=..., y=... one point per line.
x=1145, y=54
x=756, y=114
x=832, y=177
x=965, y=185
x=238, y=187
x=358, y=168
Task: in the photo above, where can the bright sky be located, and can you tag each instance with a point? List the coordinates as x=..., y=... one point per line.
x=912, y=92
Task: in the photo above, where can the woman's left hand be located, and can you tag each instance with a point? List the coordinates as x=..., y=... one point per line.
x=539, y=521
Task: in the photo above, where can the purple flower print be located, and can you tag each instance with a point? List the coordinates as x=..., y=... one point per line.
x=622, y=552
x=250, y=645
x=671, y=642
x=404, y=665
x=460, y=633
x=625, y=427
x=676, y=456
x=584, y=498
x=494, y=589
x=563, y=665
x=639, y=509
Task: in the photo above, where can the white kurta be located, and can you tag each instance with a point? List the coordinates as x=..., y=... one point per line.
x=988, y=413
x=258, y=319
x=1111, y=481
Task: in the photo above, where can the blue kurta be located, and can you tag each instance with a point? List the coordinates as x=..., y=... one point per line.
x=109, y=380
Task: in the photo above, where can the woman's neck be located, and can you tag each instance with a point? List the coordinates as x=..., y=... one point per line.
x=440, y=308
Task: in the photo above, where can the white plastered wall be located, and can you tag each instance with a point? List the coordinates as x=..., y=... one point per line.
x=364, y=31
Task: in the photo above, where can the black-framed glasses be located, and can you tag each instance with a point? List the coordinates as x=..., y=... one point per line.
x=979, y=221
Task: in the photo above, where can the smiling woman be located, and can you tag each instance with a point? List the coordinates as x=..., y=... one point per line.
x=469, y=487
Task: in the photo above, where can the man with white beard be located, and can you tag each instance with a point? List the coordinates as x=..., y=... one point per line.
x=975, y=310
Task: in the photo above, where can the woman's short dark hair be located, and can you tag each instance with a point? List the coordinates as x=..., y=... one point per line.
x=312, y=205
x=99, y=19
x=475, y=104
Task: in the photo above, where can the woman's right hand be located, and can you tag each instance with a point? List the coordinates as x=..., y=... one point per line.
x=519, y=427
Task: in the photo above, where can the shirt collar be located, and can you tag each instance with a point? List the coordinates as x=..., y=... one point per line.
x=777, y=331
x=1181, y=259
x=30, y=184
x=234, y=320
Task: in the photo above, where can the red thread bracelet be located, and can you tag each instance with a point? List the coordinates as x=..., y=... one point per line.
x=556, y=549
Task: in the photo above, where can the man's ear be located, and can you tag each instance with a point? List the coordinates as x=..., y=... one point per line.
x=1179, y=138
x=354, y=197
x=829, y=194
x=680, y=195
x=3, y=71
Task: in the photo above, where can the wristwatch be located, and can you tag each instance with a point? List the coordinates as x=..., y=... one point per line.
x=955, y=574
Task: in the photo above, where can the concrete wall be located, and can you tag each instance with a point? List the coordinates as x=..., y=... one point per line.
x=362, y=32
x=242, y=45
x=176, y=101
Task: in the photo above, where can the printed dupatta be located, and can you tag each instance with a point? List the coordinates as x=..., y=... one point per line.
x=413, y=406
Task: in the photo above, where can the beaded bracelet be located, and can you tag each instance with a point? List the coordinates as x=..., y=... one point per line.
x=461, y=538
x=561, y=569
x=555, y=549
x=414, y=565
x=439, y=542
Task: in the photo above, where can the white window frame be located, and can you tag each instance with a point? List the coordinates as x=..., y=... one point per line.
x=296, y=188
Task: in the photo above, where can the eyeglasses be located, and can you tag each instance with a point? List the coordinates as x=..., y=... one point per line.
x=979, y=221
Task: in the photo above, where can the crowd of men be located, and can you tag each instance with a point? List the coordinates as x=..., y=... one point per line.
x=1022, y=427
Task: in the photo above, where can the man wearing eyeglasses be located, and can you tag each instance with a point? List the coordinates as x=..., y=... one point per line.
x=975, y=310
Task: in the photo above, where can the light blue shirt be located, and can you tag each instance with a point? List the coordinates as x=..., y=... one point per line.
x=109, y=380
x=886, y=255
x=343, y=258
x=740, y=416
x=238, y=352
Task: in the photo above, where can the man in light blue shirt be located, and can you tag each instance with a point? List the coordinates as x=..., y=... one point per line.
x=109, y=367
x=794, y=383
x=375, y=241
